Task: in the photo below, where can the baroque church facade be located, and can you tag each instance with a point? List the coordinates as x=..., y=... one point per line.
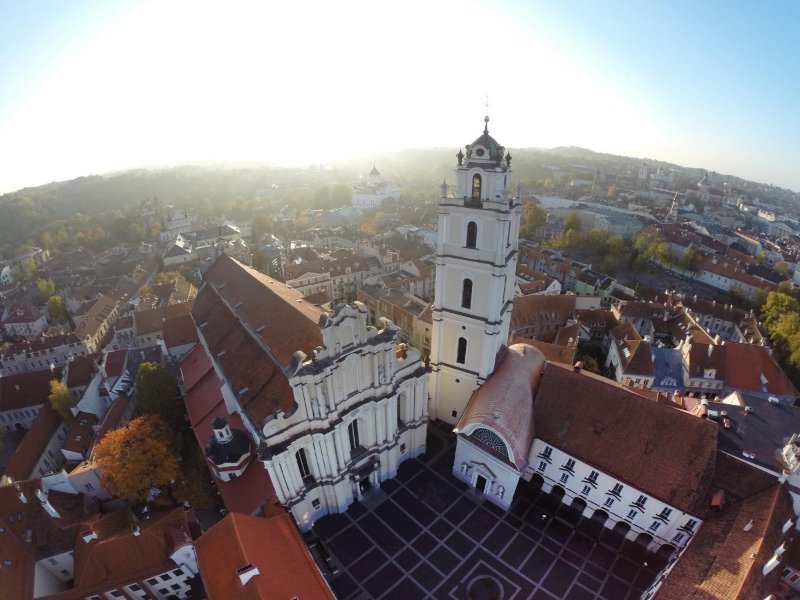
x=334, y=404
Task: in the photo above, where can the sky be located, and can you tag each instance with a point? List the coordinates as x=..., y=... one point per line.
x=88, y=87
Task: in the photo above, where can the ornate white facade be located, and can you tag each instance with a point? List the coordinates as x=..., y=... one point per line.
x=361, y=410
x=476, y=257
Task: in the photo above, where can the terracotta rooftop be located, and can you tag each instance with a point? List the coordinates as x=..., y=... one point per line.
x=81, y=433
x=725, y=562
x=664, y=452
x=179, y=331
x=26, y=389
x=253, y=325
x=552, y=352
x=152, y=320
x=32, y=447
x=285, y=566
x=747, y=363
x=505, y=402
x=81, y=370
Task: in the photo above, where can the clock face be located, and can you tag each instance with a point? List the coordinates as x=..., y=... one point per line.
x=479, y=151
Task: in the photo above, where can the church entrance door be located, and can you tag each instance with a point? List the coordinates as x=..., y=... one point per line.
x=364, y=485
x=480, y=484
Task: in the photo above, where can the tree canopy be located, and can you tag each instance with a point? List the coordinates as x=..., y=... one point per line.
x=158, y=394
x=46, y=288
x=56, y=307
x=61, y=400
x=137, y=457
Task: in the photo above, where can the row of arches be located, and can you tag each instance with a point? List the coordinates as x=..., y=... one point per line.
x=600, y=517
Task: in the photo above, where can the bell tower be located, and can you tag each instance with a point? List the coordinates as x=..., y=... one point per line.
x=476, y=258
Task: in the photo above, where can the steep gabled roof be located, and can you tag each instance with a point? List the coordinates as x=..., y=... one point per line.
x=253, y=325
x=657, y=449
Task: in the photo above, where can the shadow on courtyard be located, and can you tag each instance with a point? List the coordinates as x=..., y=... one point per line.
x=432, y=537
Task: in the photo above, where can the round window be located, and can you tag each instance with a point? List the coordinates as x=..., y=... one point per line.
x=479, y=151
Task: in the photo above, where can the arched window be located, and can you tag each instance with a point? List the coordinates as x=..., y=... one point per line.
x=302, y=463
x=472, y=234
x=461, y=355
x=466, y=294
x=476, y=188
x=491, y=440
x=352, y=431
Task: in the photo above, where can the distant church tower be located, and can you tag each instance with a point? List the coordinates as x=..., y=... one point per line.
x=476, y=258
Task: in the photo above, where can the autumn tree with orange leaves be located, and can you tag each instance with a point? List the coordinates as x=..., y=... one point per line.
x=137, y=457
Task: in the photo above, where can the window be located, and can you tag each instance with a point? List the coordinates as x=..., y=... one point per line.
x=542, y=466
x=152, y=581
x=609, y=502
x=564, y=477
x=548, y=451
x=315, y=503
x=654, y=526
x=476, y=187
x=89, y=487
x=641, y=501
x=401, y=409
x=678, y=538
x=175, y=586
x=570, y=465
x=302, y=463
x=466, y=294
x=690, y=524
x=461, y=354
x=585, y=491
x=472, y=234
x=593, y=476
x=665, y=513
x=402, y=448
x=52, y=561
x=617, y=489
x=352, y=431
x=134, y=587
x=632, y=514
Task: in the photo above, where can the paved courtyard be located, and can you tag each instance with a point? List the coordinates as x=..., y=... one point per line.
x=426, y=535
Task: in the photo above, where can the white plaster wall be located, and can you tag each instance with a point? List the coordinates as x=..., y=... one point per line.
x=471, y=461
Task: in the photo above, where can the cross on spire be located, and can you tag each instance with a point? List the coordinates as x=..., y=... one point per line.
x=486, y=112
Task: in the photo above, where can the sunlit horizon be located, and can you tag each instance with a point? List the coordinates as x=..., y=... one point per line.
x=102, y=89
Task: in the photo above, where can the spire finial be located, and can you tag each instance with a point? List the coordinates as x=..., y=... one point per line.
x=486, y=118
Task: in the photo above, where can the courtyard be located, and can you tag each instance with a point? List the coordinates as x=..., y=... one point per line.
x=425, y=534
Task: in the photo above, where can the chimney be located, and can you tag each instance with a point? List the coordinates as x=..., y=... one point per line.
x=136, y=530
x=246, y=573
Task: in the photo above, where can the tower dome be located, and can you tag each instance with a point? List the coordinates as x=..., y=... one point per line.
x=485, y=149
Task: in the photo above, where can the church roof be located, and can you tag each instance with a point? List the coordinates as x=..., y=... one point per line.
x=662, y=451
x=374, y=171
x=494, y=149
x=504, y=403
x=253, y=325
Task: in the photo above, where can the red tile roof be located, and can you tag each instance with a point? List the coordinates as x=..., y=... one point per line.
x=664, y=452
x=26, y=389
x=115, y=361
x=505, y=402
x=273, y=546
x=37, y=438
x=179, y=331
x=253, y=325
x=746, y=363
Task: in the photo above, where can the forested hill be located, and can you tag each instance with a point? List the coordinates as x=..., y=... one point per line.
x=77, y=207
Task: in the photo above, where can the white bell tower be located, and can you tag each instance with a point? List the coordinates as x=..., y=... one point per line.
x=476, y=260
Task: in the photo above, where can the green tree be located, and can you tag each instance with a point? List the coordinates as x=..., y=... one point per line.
x=26, y=269
x=572, y=222
x=56, y=307
x=61, y=400
x=777, y=305
x=158, y=394
x=589, y=363
x=781, y=268
x=533, y=218
x=46, y=288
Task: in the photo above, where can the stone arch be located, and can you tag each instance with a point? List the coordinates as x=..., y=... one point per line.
x=600, y=516
x=622, y=527
x=644, y=539
x=490, y=438
x=537, y=481
x=666, y=551
x=578, y=504
x=558, y=492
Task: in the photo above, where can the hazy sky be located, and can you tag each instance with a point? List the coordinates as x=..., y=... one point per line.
x=92, y=86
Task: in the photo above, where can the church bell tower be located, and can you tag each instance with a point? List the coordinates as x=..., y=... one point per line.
x=476, y=258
